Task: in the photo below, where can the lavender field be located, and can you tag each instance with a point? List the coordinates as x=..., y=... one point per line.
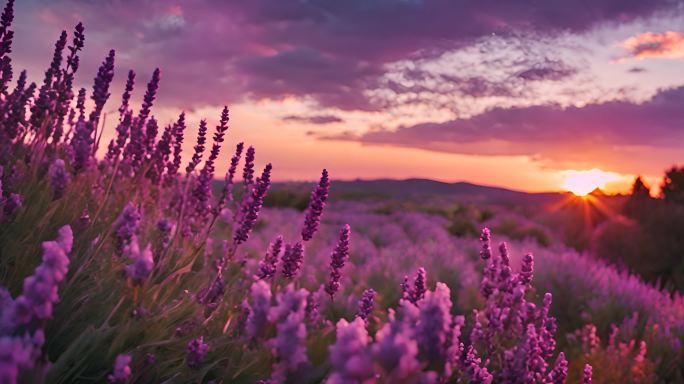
x=130, y=261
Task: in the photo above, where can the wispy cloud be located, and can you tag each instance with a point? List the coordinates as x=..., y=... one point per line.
x=664, y=45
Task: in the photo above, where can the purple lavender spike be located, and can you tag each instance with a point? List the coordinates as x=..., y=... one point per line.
x=587, y=374
x=257, y=320
x=101, y=88
x=195, y=352
x=202, y=192
x=59, y=178
x=177, y=138
x=559, y=373
x=485, y=239
x=267, y=267
x=19, y=353
x=121, y=371
x=227, y=192
x=13, y=204
x=254, y=206
x=125, y=98
x=527, y=269
x=316, y=204
x=366, y=304
x=350, y=355
x=199, y=147
x=40, y=290
x=126, y=226
x=419, y=286
x=337, y=260
x=292, y=259
x=151, y=131
x=143, y=262
x=248, y=171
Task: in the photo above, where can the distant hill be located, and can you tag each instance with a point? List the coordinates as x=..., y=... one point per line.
x=422, y=188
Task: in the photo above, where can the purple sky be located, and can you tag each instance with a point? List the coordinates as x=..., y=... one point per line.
x=546, y=85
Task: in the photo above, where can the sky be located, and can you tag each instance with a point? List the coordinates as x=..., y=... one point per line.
x=520, y=94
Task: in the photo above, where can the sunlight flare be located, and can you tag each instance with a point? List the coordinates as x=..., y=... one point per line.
x=584, y=182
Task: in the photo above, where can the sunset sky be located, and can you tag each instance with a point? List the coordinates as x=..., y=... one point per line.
x=520, y=94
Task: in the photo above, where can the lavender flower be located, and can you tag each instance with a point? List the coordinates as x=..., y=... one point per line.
x=202, y=192
x=59, y=178
x=173, y=166
x=337, y=260
x=101, y=88
x=143, y=263
x=289, y=347
x=248, y=171
x=559, y=373
x=316, y=205
x=350, y=355
x=117, y=143
x=165, y=227
x=486, y=251
x=151, y=131
x=527, y=269
x=434, y=324
x=130, y=83
x=81, y=145
x=267, y=267
x=258, y=309
x=292, y=259
x=13, y=204
x=121, y=371
x=587, y=374
x=40, y=290
x=256, y=200
x=195, y=352
x=366, y=304
x=396, y=351
x=227, y=193
x=43, y=104
x=126, y=226
x=419, y=286
x=19, y=353
x=199, y=147
x=406, y=291
x=473, y=371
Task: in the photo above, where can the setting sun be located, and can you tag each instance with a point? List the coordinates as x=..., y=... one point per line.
x=582, y=183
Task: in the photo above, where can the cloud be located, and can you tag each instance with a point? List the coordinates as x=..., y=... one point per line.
x=665, y=45
x=625, y=135
x=316, y=119
x=330, y=52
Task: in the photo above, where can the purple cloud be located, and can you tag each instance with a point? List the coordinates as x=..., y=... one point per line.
x=614, y=133
x=333, y=52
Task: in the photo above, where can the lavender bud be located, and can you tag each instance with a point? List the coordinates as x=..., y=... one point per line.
x=337, y=260
x=350, y=356
x=126, y=226
x=419, y=286
x=587, y=374
x=256, y=200
x=143, y=263
x=59, y=178
x=121, y=372
x=366, y=304
x=195, y=352
x=292, y=259
x=316, y=205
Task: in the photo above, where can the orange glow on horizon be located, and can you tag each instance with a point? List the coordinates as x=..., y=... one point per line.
x=581, y=183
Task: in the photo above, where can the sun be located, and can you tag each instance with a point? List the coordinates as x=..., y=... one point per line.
x=581, y=183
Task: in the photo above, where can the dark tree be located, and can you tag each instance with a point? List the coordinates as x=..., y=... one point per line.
x=672, y=188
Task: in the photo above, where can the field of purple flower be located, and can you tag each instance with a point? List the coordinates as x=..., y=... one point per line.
x=130, y=269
